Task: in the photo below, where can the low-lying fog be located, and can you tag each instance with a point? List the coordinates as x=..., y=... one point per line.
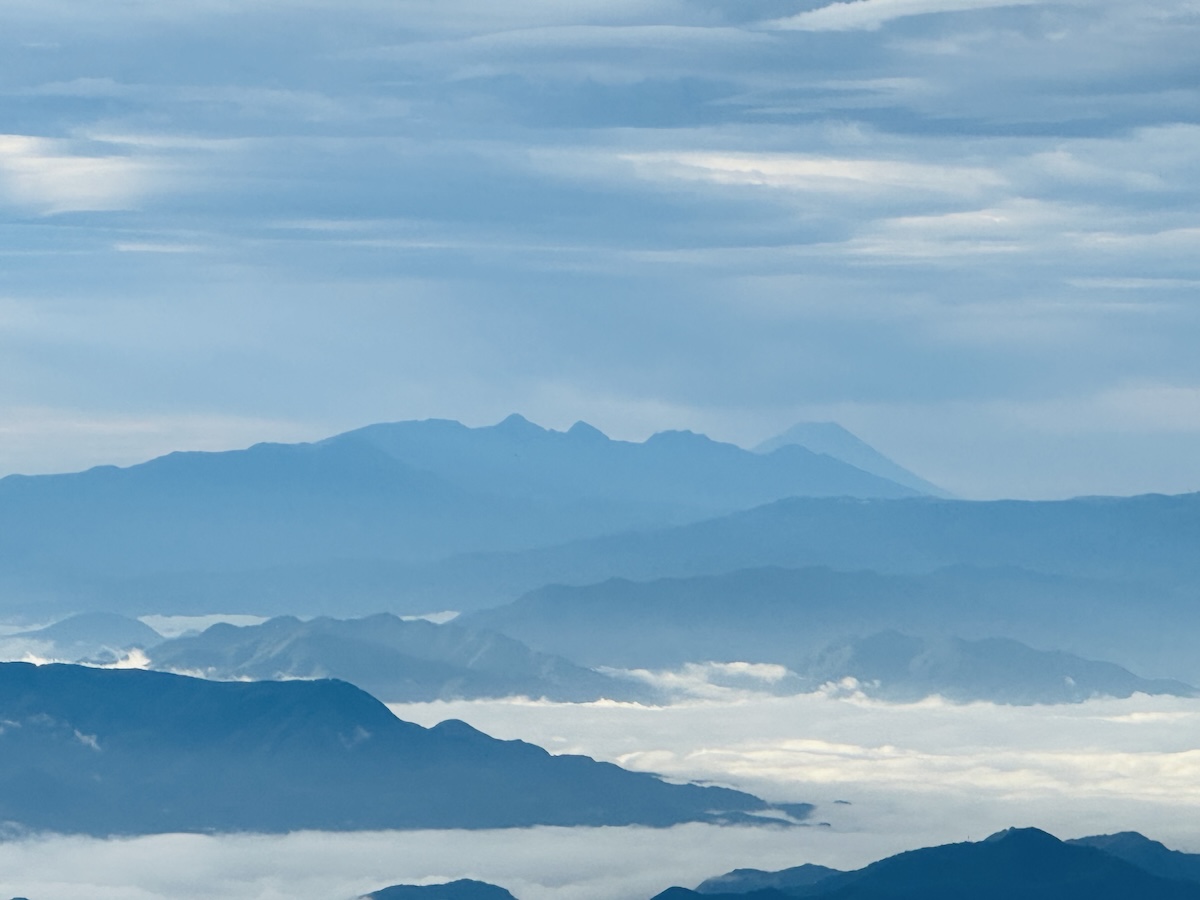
x=909, y=773
x=912, y=775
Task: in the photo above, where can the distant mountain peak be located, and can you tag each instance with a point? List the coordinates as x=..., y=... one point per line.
x=517, y=425
x=463, y=889
x=677, y=436
x=1025, y=835
x=585, y=431
x=832, y=439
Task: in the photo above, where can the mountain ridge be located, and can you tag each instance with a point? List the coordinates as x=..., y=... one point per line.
x=1019, y=862
x=125, y=752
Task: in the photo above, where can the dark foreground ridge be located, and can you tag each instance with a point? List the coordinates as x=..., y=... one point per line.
x=104, y=752
x=464, y=889
x=1023, y=863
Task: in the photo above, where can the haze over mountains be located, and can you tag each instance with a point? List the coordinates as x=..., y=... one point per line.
x=400, y=494
x=585, y=569
x=570, y=545
x=788, y=616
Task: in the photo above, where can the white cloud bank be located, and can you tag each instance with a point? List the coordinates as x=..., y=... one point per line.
x=873, y=14
x=946, y=770
x=915, y=775
x=48, y=176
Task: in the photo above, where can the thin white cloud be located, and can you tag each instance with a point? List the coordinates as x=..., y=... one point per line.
x=814, y=173
x=872, y=14
x=47, y=176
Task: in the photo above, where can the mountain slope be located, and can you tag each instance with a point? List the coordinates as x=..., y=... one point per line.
x=395, y=660
x=1020, y=863
x=105, y=752
x=1146, y=854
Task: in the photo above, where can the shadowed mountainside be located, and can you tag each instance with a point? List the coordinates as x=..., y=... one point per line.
x=1021, y=862
x=106, y=752
x=744, y=881
x=1146, y=854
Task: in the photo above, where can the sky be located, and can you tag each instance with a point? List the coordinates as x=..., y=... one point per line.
x=968, y=230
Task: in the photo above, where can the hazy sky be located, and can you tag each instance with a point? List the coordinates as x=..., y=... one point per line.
x=966, y=229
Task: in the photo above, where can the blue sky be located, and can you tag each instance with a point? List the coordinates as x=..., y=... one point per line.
x=968, y=231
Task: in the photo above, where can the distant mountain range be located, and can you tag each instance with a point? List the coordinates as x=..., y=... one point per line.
x=1138, y=548
x=402, y=493
x=791, y=616
x=395, y=660
x=1141, y=542
x=107, y=752
x=898, y=667
x=418, y=661
x=1022, y=863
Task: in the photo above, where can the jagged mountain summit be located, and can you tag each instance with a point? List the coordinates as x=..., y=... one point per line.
x=395, y=660
x=833, y=440
x=407, y=492
x=112, y=752
x=1023, y=863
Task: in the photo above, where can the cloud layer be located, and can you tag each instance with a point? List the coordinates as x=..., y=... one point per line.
x=909, y=775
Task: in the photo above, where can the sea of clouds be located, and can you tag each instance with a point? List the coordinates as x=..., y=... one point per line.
x=885, y=777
